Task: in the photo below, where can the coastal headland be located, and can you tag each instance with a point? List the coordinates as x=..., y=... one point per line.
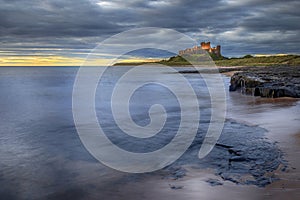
x=269, y=76
x=267, y=81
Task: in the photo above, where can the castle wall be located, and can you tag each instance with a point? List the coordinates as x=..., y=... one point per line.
x=204, y=46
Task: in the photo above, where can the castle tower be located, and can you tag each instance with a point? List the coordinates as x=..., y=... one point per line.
x=218, y=50
x=205, y=45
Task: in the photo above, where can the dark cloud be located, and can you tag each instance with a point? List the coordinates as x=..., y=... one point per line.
x=240, y=26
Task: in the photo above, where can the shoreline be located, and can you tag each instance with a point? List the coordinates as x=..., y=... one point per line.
x=282, y=123
x=203, y=183
x=263, y=81
x=196, y=184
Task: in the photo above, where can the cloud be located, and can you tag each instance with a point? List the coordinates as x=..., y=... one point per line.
x=240, y=26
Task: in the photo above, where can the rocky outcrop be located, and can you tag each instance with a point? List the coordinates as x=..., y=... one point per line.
x=270, y=82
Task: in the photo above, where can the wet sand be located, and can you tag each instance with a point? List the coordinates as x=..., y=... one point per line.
x=281, y=118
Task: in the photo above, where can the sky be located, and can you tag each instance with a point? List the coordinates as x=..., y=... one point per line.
x=63, y=32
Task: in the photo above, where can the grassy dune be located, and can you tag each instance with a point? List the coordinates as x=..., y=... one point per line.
x=248, y=60
x=289, y=60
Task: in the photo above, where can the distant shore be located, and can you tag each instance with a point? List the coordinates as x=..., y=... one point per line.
x=269, y=81
x=248, y=60
x=270, y=77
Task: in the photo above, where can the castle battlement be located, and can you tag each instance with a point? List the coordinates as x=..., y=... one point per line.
x=204, y=46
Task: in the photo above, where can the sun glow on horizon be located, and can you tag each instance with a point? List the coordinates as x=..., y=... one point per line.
x=50, y=61
x=57, y=60
x=268, y=55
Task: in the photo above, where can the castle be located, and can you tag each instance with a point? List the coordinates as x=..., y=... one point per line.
x=204, y=46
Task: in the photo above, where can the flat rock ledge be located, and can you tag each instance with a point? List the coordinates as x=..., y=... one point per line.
x=269, y=82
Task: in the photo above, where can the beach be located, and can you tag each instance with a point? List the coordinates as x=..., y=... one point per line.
x=281, y=120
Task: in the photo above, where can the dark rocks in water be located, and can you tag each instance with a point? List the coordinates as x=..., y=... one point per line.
x=224, y=145
x=237, y=159
x=235, y=178
x=269, y=82
x=242, y=155
x=174, y=187
x=229, y=148
x=214, y=182
x=176, y=172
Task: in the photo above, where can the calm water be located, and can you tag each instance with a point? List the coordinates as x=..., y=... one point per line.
x=42, y=157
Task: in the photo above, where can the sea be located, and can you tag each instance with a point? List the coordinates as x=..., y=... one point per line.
x=42, y=155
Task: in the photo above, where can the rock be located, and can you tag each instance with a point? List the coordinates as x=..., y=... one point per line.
x=269, y=82
x=214, y=182
x=173, y=187
x=235, y=178
x=237, y=159
x=177, y=173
